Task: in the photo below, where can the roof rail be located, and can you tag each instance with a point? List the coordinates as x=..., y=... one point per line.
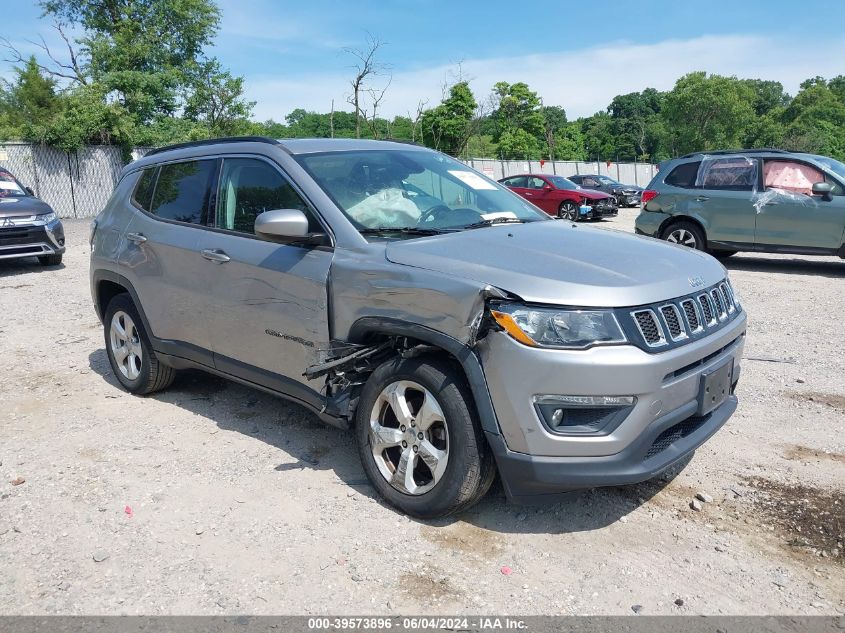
x=214, y=141
x=720, y=152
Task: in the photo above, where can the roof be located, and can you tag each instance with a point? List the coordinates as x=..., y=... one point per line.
x=315, y=145
x=721, y=152
x=293, y=145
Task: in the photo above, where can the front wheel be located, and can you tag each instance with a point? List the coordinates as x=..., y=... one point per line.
x=568, y=211
x=686, y=234
x=419, y=438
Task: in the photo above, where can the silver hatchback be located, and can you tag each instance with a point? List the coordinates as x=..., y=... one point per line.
x=453, y=327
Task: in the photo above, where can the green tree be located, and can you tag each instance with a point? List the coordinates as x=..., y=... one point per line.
x=815, y=119
x=30, y=99
x=708, y=112
x=449, y=126
x=636, y=123
x=519, y=120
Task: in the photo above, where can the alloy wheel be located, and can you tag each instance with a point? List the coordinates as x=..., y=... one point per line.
x=125, y=345
x=409, y=437
x=682, y=236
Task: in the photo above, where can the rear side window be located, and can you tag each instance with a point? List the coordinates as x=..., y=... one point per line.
x=731, y=174
x=683, y=175
x=143, y=194
x=183, y=190
x=516, y=181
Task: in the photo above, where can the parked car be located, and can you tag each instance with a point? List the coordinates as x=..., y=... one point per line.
x=28, y=226
x=626, y=195
x=769, y=201
x=438, y=327
x=562, y=198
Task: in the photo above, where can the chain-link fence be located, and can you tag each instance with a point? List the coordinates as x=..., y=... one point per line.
x=78, y=184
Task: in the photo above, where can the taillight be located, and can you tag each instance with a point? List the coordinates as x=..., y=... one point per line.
x=649, y=194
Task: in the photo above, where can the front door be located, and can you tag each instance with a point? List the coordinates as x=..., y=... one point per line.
x=270, y=318
x=790, y=216
x=539, y=195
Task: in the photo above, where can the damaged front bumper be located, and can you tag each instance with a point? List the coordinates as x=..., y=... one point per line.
x=661, y=420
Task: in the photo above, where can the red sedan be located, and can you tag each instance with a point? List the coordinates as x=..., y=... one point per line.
x=562, y=198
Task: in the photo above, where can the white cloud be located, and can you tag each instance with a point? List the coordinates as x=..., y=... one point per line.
x=582, y=81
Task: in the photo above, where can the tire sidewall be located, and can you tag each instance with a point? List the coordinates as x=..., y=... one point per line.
x=563, y=212
x=123, y=303
x=459, y=419
x=687, y=226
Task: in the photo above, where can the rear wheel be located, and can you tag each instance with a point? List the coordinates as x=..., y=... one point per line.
x=130, y=353
x=685, y=233
x=419, y=438
x=568, y=211
x=50, y=260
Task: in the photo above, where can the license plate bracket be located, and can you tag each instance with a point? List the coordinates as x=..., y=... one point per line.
x=715, y=387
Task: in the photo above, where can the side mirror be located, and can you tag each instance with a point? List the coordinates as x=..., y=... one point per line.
x=823, y=189
x=286, y=226
x=29, y=191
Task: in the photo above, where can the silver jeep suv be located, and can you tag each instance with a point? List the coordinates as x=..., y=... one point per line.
x=454, y=327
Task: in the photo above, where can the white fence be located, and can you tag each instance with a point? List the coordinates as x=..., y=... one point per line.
x=78, y=184
x=627, y=173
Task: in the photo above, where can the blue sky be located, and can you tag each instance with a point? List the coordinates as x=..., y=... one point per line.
x=575, y=54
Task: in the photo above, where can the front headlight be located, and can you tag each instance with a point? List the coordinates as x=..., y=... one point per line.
x=46, y=218
x=550, y=327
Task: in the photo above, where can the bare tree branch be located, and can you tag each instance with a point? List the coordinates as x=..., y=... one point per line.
x=59, y=69
x=365, y=67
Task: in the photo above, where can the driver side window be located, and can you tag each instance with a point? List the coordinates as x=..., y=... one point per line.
x=248, y=188
x=536, y=183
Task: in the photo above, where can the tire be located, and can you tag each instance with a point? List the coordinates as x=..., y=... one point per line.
x=685, y=233
x=447, y=423
x=50, y=260
x=568, y=211
x=139, y=371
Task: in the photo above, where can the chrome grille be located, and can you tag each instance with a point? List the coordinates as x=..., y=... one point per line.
x=691, y=313
x=721, y=312
x=729, y=300
x=649, y=327
x=680, y=320
x=672, y=317
x=707, y=310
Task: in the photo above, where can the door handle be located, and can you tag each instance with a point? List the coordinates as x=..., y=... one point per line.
x=528, y=194
x=138, y=238
x=702, y=199
x=215, y=255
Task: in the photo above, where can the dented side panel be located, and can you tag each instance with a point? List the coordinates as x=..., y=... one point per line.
x=371, y=286
x=270, y=305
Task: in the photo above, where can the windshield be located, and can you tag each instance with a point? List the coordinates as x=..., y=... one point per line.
x=562, y=183
x=9, y=186
x=382, y=189
x=606, y=180
x=831, y=163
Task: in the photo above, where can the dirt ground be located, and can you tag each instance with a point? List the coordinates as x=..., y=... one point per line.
x=213, y=498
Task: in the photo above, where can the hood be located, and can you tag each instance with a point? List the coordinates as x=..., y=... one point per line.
x=593, y=194
x=627, y=188
x=22, y=207
x=558, y=263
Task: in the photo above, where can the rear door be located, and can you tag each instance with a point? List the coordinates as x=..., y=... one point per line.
x=519, y=184
x=791, y=216
x=269, y=319
x=161, y=258
x=722, y=199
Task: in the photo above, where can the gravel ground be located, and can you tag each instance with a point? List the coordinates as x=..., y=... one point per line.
x=213, y=498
